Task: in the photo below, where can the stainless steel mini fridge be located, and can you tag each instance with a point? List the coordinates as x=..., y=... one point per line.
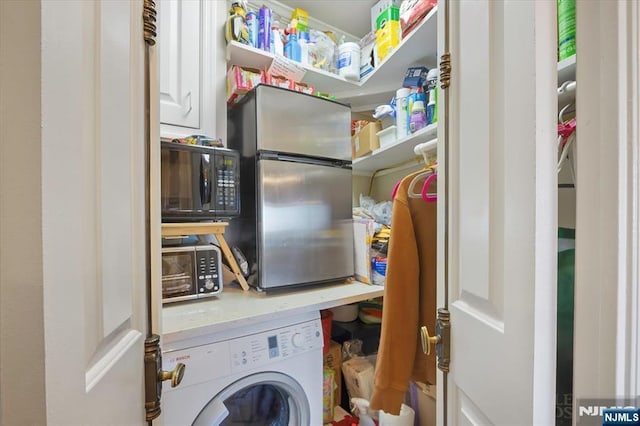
x=295, y=224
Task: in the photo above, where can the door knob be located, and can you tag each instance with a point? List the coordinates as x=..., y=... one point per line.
x=427, y=340
x=174, y=375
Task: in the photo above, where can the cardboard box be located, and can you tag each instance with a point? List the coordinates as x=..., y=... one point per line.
x=304, y=88
x=379, y=7
x=415, y=77
x=368, y=54
x=358, y=373
x=279, y=81
x=366, y=140
x=363, y=230
x=333, y=360
x=240, y=80
x=387, y=39
x=426, y=398
x=328, y=387
x=388, y=16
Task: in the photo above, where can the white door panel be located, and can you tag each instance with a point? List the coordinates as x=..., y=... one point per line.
x=93, y=212
x=502, y=226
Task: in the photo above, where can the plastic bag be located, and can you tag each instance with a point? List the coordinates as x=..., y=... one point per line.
x=380, y=212
x=322, y=50
x=412, y=12
x=357, y=370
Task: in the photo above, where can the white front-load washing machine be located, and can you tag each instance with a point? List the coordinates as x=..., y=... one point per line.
x=264, y=374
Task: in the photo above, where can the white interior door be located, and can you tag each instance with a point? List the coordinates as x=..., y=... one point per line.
x=501, y=213
x=93, y=218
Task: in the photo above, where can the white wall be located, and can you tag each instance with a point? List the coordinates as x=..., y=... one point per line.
x=22, y=391
x=382, y=185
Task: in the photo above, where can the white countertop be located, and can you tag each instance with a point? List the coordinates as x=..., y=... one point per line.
x=236, y=308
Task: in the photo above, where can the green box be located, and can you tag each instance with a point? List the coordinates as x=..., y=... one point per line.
x=391, y=13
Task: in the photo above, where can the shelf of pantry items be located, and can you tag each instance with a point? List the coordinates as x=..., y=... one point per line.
x=419, y=48
x=236, y=308
x=398, y=152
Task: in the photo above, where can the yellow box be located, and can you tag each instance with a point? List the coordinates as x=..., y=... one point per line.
x=333, y=360
x=302, y=18
x=366, y=140
x=387, y=38
x=328, y=402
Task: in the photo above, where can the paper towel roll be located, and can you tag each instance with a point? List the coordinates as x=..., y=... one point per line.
x=405, y=418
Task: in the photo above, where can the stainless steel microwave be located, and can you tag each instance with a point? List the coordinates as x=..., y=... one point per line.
x=191, y=272
x=199, y=182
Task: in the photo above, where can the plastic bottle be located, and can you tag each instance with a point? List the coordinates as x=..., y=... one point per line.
x=413, y=96
x=418, y=118
x=264, y=28
x=566, y=29
x=362, y=408
x=349, y=61
x=304, y=51
x=236, y=27
x=277, y=47
x=432, y=93
x=292, y=49
x=252, y=26
x=402, y=113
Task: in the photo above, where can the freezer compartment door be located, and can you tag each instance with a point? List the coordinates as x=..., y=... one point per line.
x=297, y=123
x=305, y=231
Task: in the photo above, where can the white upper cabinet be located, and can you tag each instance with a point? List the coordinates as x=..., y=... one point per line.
x=180, y=34
x=192, y=68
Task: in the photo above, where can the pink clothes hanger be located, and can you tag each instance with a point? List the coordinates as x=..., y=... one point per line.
x=429, y=198
x=395, y=189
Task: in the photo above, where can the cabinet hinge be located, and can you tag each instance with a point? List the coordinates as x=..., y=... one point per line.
x=443, y=330
x=149, y=14
x=442, y=339
x=445, y=70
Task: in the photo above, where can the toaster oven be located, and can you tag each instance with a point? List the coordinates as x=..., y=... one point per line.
x=191, y=272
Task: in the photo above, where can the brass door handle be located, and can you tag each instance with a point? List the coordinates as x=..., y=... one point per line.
x=174, y=375
x=427, y=340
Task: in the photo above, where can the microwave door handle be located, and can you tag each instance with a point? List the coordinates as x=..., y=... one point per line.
x=205, y=180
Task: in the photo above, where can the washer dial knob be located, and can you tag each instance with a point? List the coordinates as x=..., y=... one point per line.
x=297, y=340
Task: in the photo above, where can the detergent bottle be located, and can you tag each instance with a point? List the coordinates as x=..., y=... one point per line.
x=236, y=28
x=292, y=49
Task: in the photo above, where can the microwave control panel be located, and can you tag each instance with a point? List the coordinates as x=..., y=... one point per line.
x=227, y=182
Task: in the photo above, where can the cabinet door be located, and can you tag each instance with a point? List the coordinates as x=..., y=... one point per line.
x=179, y=44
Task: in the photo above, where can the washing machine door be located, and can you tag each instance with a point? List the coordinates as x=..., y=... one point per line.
x=261, y=399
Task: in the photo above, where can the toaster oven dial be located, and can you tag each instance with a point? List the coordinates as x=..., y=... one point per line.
x=208, y=284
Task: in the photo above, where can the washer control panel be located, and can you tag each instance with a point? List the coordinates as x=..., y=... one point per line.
x=275, y=345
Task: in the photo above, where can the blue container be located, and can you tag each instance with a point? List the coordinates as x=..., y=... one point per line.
x=252, y=25
x=292, y=49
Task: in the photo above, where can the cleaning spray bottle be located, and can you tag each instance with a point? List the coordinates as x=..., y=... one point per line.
x=362, y=411
x=236, y=27
x=292, y=48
